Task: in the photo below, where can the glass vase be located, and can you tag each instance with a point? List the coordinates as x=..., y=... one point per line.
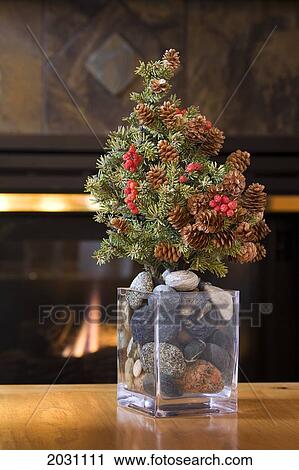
x=178, y=351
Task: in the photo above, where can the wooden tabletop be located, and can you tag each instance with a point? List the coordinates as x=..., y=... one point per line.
x=86, y=417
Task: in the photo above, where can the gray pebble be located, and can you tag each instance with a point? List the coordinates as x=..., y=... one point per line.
x=221, y=300
x=217, y=356
x=182, y=280
x=143, y=283
x=193, y=350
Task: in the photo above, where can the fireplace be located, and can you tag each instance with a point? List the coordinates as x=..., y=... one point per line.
x=58, y=307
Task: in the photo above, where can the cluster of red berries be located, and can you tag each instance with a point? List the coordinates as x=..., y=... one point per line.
x=131, y=159
x=224, y=204
x=131, y=195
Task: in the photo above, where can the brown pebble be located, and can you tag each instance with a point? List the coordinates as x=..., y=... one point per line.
x=201, y=377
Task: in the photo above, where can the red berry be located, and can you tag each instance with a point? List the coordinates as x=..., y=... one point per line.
x=223, y=207
x=183, y=179
x=225, y=199
x=232, y=205
x=217, y=198
x=230, y=213
x=217, y=208
x=212, y=203
x=193, y=167
x=208, y=124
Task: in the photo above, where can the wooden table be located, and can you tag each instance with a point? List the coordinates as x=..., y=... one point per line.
x=86, y=417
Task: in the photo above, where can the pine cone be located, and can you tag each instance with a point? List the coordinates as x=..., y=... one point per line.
x=197, y=203
x=144, y=114
x=240, y=213
x=167, y=252
x=223, y=239
x=156, y=176
x=159, y=85
x=194, y=238
x=196, y=130
x=167, y=152
x=260, y=252
x=247, y=253
x=172, y=59
x=260, y=231
x=239, y=160
x=254, y=198
x=214, y=189
x=243, y=231
x=213, y=142
x=169, y=115
x=234, y=183
x=178, y=217
x=121, y=225
x=209, y=222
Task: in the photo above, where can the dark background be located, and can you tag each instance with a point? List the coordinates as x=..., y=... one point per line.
x=66, y=70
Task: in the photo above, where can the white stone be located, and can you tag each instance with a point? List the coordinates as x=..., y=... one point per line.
x=166, y=272
x=137, y=368
x=131, y=348
x=184, y=281
x=129, y=372
x=222, y=300
x=163, y=288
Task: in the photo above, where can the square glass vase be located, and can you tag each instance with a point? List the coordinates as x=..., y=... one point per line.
x=178, y=351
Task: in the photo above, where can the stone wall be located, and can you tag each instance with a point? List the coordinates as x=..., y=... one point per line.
x=94, y=46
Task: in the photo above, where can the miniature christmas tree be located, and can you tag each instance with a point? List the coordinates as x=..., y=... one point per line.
x=165, y=199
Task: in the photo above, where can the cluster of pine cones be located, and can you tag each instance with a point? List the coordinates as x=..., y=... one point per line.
x=200, y=226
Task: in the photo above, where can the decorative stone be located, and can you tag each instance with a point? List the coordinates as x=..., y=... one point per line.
x=165, y=273
x=123, y=338
x=142, y=325
x=131, y=348
x=138, y=383
x=142, y=322
x=163, y=288
x=193, y=350
x=221, y=300
x=199, y=330
x=169, y=387
x=137, y=368
x=171, y=360
x=129, y=372
x=221, y=339
x=194, y=303
x=143, y=283
x=137, y=353
x=184, y=337
x=122, y=357
x=201, y=377
x=126, y=314
x=149, y=385
x=147, y=357
x=217, y=356
x=182, y=280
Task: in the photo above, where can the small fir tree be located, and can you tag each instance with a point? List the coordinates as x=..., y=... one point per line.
x=165, y=202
